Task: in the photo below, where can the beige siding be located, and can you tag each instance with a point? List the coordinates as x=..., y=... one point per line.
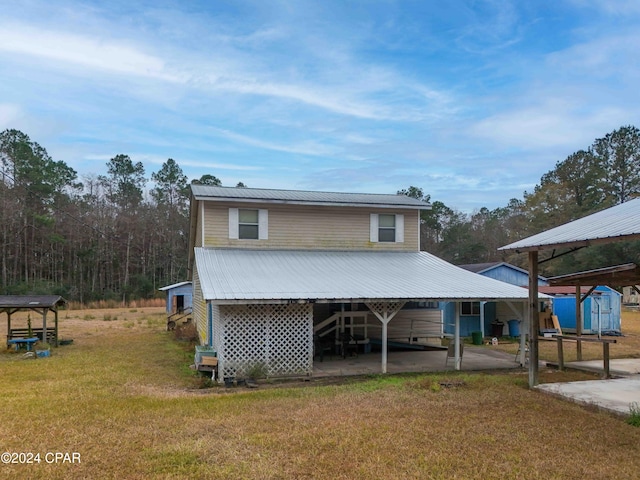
x=198, y=233
x=199, y=308
x=309, y=227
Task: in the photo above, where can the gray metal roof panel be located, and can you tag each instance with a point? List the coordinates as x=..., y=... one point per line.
x=28, y=301
x=175, y=285
x=277, y=275
x=480, y=267
x=208, y=192
x=619, y=221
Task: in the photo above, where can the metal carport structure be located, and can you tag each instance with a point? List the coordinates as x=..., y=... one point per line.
x=383, y=281
x=615, y=224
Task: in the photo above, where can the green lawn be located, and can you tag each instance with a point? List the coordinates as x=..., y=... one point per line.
x=122, y=398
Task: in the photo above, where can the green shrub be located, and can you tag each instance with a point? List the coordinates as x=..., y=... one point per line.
x=634, y=417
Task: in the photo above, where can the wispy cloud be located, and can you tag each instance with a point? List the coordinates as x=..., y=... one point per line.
x=325, y=95
x=81, y=50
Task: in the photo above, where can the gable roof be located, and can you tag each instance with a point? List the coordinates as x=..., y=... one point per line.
x=31, y=301
x=175, y=285
x=281, y=276
x=618, y=223
x=485, y=267
x=301, y=197
x=565, y=290
x=480, y=267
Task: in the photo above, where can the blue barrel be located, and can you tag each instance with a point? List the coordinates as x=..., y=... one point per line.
x=514, y=328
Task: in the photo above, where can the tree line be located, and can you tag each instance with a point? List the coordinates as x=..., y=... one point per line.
x=108, y=237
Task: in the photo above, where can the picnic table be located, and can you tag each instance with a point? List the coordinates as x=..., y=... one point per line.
x=19, y=342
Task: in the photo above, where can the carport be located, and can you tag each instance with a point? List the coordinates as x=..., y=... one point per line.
x=259, y=303
x=616, y=224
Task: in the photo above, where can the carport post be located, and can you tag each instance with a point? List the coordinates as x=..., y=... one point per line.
x=533, y=318
x=385, y=322
x=456, y=338
x=384, y=313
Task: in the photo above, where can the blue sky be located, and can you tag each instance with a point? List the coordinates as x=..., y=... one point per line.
x=471, y=100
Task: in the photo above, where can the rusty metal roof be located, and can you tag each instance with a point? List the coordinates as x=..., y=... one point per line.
x=564, y=290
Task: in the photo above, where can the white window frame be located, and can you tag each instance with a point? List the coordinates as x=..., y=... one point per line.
x=374, y=231
x=234, y=224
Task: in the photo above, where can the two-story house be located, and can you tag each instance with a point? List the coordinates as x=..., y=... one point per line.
x=270, y=267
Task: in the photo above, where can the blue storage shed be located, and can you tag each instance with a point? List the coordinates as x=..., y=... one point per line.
x=179, y=302
x=601, y=310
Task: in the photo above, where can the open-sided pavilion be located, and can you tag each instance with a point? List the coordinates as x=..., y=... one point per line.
x=41, y=304
x=616, y=224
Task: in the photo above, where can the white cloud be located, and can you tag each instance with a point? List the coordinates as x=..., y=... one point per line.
x=84, y=51
x=9, y=115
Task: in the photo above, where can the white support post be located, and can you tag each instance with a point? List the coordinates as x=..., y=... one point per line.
x=482, y=304
x=385, y=322
x=385, y=314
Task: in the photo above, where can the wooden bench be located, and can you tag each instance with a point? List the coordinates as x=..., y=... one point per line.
x=15, y=333
x=605, y=349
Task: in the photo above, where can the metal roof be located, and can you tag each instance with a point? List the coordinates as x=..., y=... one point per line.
x=621, y=222
x=31, y=301
x=175, y=285
x=480, y=267
x=565, y=290
x=234, y=194
x=263, y=276
x=616, y=276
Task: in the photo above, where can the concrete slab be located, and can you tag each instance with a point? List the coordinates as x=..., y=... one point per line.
x=615, y=395
x=474, y=358
x=617, y=366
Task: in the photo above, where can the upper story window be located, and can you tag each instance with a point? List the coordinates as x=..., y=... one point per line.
x=387, y=228
x=248, y=224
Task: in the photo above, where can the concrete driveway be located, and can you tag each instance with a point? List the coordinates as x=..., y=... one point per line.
x=615, y=395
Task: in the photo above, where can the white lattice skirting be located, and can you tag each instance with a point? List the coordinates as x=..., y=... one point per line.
x=277, y=339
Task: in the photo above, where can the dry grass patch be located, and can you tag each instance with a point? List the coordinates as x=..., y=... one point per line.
x=123, y=398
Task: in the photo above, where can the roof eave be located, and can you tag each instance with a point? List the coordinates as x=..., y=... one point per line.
x=576, y=243
x=425, y=206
